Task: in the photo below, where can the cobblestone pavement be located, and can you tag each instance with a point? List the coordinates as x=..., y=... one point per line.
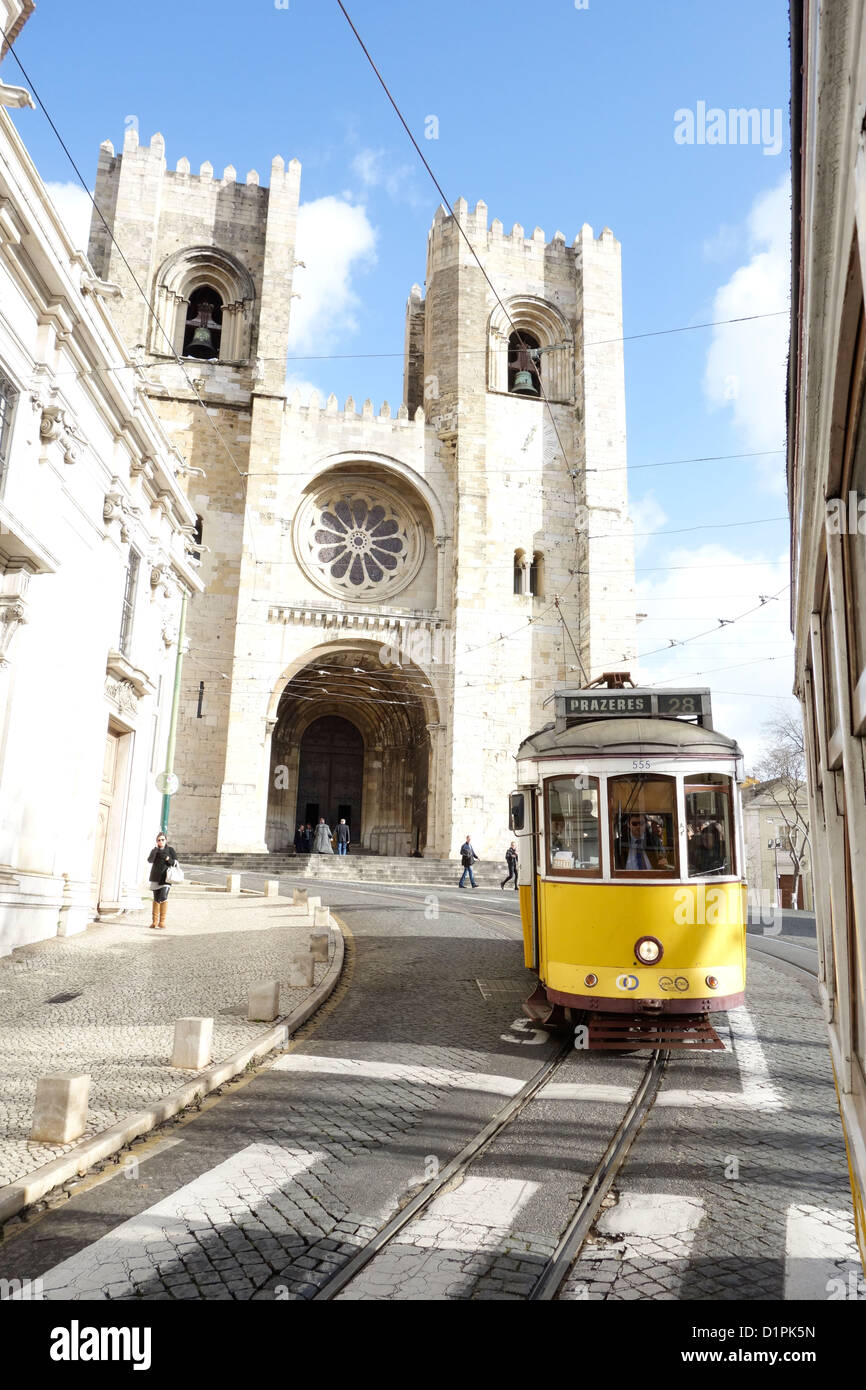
x=736, y=1187
x=127, y=985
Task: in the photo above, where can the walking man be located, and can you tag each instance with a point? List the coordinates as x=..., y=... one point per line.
x=322, y=839
x=342, y=838
x=467, y=854
x=511, y=857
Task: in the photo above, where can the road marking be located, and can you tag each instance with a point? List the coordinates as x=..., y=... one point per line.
x=440, y=1255
x=652, y=1235
x=149, y=1242
x=398, y=1071
x=821, y=1255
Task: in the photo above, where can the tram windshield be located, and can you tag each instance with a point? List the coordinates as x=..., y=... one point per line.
x=708, y=825
x=643, y=825
x=572, y=824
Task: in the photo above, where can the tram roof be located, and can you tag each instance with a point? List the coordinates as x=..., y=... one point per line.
x=665, y=736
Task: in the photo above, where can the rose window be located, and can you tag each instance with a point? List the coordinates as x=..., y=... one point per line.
x=357, y=541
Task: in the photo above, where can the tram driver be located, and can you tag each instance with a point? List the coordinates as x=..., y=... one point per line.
x=640, y=847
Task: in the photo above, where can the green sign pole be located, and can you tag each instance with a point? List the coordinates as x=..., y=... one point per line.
x=175, y=703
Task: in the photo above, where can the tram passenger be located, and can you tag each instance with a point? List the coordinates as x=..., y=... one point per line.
x=706, y=855
x=639, y=847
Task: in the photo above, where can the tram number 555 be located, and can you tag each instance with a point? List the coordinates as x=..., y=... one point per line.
x=640, y=765
x=524, y=1027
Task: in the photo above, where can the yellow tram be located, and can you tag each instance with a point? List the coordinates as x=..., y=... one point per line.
x=632, y=867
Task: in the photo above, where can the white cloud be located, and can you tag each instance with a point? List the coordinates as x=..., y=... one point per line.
x=75, y=208
x=648, y=515
x=747, y=665
x=372, y=168
x=746, y=362
x=335, y=241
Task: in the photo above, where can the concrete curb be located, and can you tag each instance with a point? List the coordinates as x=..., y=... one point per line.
x=27, y=1190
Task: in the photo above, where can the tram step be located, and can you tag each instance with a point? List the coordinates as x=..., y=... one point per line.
x=622, y=1032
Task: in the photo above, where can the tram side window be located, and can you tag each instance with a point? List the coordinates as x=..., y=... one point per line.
x=708, y=825
x=572, y=824
x=643, y=824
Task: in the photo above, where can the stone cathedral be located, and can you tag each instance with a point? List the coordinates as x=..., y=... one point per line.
x=391, y=595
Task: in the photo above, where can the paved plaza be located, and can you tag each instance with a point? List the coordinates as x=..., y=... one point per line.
x=105, y=1002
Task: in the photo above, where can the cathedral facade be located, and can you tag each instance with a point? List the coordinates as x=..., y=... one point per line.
x=391, y=594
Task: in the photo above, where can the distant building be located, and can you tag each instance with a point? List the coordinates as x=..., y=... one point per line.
x=95, y=531
x=767, y=834
x=391, y=594
x=827, y=495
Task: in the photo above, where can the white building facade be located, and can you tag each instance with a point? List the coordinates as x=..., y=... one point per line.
x=95, y=541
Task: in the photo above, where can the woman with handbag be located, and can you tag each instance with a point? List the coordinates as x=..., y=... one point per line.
x=162, y=858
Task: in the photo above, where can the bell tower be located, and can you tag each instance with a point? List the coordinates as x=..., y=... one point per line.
x=215, y=259
x=520, y=372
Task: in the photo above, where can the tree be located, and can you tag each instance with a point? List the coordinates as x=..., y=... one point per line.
x=782, y=767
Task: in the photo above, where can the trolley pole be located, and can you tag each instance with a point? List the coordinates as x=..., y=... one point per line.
x=175, y=703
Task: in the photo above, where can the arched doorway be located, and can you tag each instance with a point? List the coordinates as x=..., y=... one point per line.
x=353, y=730
x=331, y=773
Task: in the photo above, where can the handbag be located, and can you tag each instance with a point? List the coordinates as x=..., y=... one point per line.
x=174, y=874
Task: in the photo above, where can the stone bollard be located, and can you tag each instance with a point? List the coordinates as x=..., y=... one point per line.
x=299, y=897
x=272, y=887
x=321, y=917
x=233, y=883
x=264, y=1001
x=300, y=972
x=313, y=902
x=60, y=1110
x=319, y=943
x=193, y=1043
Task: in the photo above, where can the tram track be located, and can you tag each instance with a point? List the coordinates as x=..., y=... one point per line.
x=556, y=1268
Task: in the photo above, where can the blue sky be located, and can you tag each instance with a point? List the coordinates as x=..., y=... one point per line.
x=554, y=116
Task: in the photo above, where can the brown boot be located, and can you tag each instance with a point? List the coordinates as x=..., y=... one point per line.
x=154, y=917
x=163, y=909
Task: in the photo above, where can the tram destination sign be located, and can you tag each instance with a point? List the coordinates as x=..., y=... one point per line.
x=574, y=706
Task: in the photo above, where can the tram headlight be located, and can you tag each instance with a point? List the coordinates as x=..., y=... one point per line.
x=591, y=981
x=648, y=950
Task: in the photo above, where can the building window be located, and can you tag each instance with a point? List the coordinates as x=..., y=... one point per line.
x=519, y=571
x=197, y=539
x=203, y=331
x=129, y=590
x=8, y=397
x=528, y=335
x=536, y=575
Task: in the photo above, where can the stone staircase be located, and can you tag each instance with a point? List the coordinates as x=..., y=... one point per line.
x=366, y=868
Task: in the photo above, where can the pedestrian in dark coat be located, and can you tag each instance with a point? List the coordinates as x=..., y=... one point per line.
x=343, y=837
x=467, y=856
x=161, y=858
x=299, y=840
x=511, y=858
x=308, y=839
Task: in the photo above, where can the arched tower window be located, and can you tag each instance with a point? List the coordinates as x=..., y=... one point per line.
x=203, y=328
x=516, y=332
x=524, y=375
x=519, y=571
x=185, y=283
x=536, y=574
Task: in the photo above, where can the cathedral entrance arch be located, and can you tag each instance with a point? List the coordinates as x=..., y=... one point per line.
x=353, y=739
x=330, y=773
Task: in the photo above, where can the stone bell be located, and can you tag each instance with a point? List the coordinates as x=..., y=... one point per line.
x=205, y=339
